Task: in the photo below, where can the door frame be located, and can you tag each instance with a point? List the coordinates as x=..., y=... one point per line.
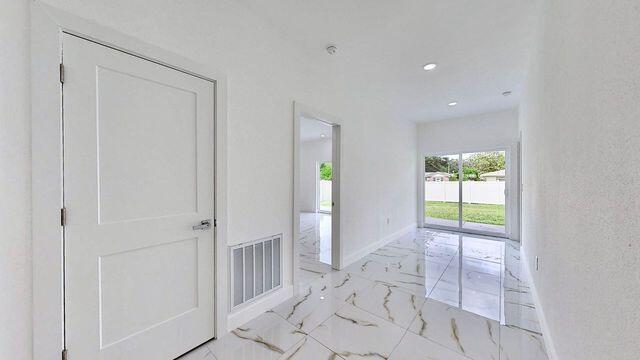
x=300, y=110
x=47, y=26
x=512, y=198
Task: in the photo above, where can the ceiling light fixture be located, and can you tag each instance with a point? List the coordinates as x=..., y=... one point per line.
x=453, y=103
x=506, y=93
x=322, y=135
x=332, y=49
x=430, y=66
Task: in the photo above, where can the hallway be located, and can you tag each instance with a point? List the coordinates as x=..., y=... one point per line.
x=443, y=295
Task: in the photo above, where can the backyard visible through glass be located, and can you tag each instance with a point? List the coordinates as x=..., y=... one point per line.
x=325, y=174
x=482, y=190
x=441, y=190
x=483, y=186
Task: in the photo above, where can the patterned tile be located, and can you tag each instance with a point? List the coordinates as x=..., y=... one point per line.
x=466, y=333
x=266, y=337
x=414, y=347
x=355, y=334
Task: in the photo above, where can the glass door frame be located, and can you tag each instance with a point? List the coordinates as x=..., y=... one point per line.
x=509, y=162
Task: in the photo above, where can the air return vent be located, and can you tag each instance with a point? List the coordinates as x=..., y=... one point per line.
x=256, y=269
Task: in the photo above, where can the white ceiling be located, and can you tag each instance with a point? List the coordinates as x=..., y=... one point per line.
x=480, y=47
x=312, y=129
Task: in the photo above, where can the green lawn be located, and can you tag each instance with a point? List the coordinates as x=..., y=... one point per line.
x=477, y=213
x=325, y=203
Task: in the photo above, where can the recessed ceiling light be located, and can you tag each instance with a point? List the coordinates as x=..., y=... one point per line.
x=430, y=66
x=322, y=135
x=506, y=93
x=453, y=103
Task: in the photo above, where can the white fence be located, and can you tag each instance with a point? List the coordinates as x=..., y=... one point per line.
x=477, y=192
x=325, y=190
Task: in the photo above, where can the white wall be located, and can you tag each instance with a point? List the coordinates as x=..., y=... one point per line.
x=475, y=133
x=580, y=119
x=265, y=75
x=311, y=152
x=15, y=202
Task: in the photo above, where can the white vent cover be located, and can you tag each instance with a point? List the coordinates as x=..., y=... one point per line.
x=256, y=269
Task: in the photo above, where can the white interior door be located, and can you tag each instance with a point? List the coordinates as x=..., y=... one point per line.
x=138, y=175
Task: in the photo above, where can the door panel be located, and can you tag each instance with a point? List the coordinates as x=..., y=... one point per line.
x=161, y=169
x=138, y=174
x=129, y=284
x=483, y=192
x=441, y=190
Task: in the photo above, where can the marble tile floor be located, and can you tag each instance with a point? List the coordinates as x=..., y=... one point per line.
x=431, y=295
x=314, y=245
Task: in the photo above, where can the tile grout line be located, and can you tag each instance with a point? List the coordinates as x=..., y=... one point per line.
x=470, y=313
x=399, y=342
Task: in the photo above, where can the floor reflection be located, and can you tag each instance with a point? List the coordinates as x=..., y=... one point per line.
x=366, y=307
x=314, y=244
x=461, y=270
x=471, y=280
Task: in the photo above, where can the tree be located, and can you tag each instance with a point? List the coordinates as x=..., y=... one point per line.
x=440, y=164
x=469, y=174
x=435, y=164
x=326, y=171
x=486, y=162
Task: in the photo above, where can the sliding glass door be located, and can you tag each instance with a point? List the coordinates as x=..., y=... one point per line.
x=441, y=189
x=483, y=192
x=466, y=191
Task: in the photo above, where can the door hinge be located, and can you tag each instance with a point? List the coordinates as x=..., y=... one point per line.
x=63, y=217
x=215, y=222
x=61, y=73
x=64, y=354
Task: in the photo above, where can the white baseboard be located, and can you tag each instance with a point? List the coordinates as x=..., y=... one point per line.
x=546, y=334
x=241, y=316
x=351, y=258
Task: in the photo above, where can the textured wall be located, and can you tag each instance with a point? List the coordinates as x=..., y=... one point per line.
x=15, y=182
x=580, y=123
x=474, y=132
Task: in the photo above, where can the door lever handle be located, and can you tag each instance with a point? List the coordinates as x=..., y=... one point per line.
x=204, y=225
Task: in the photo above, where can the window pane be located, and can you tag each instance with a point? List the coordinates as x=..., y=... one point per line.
x=483, y=191
x=441, y=190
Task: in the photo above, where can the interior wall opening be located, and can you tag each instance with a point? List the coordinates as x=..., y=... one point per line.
x=316, y=180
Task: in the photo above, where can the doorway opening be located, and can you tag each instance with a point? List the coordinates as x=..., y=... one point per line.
x=467, y=192
x=315, y=197
x=316, y=194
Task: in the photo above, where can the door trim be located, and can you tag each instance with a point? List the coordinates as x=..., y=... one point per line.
x=47, y=26
x=337, y=253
